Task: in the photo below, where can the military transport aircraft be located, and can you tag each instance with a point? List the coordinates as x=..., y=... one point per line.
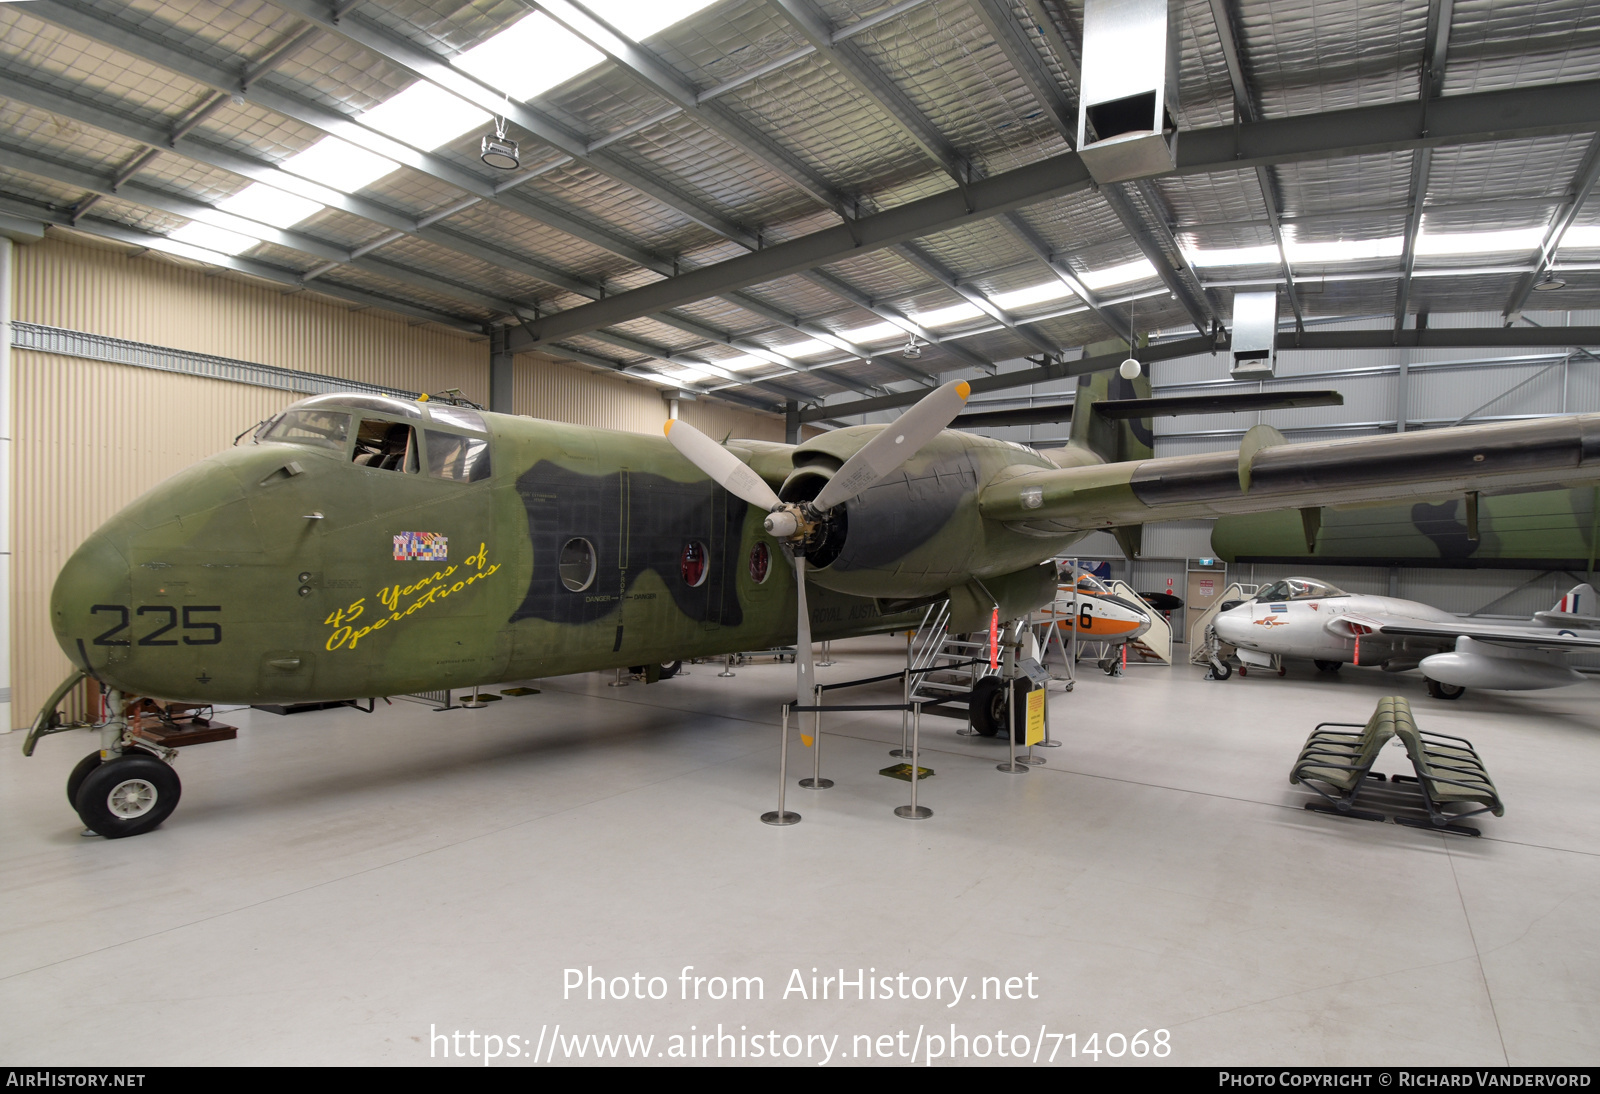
x=1304, y=617
x=361, y=545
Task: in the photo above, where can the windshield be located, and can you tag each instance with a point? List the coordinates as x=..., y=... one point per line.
x=1298, y=588
x=323, y=428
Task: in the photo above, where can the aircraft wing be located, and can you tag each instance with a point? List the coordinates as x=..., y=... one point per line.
x=1356, y=624
x=1268, y=473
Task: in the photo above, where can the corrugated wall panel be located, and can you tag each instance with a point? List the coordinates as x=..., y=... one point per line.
x=90, y=437
x=149, y=299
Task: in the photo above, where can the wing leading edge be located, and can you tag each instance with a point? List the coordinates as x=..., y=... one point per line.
x=1267, y=473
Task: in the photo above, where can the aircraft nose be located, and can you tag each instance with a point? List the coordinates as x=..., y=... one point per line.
x=89, y=604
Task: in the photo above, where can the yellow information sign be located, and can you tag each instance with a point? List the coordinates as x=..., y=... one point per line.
x=1035, y=717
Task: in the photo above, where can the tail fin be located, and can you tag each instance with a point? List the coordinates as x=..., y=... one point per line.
x=1111, y=439
x=1580, y=601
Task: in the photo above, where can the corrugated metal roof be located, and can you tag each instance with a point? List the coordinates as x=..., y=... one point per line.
x=91, y=103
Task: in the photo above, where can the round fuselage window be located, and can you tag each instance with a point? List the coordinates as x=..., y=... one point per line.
x=577, y=564
x=693, y=564
x=760, y=563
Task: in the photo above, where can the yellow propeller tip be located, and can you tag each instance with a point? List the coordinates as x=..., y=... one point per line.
x=667, y=429
x=963, y=389
x=805, y=739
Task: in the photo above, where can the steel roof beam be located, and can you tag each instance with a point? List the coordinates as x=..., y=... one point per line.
x=651, y=72
x=647, y=350
x=1583, y=183
x=1427, y=338
x=130, y=40
x=773, y=314
x=845, y=291
x=1245, y=104
x=1064, y=273
x=928, y=265
x=754, y=349
x=1435, y=48
x=606, y=364
x=253, y=267
x=873, y=86
x=427, y=66
x=1151, y=235
x=1457, y=119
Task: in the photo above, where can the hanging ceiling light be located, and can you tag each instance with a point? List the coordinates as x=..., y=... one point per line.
x=1550, y=281
x=499, y=151
x=912, y=351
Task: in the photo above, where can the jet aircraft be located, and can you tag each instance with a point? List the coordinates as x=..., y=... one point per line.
x=1304, y=617
x=360, y=545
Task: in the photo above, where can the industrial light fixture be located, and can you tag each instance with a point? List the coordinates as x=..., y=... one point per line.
x=913, y=349
x=499, y=151
x=1548, y=282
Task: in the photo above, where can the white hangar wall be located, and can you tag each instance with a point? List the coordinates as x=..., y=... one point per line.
x=91, y=435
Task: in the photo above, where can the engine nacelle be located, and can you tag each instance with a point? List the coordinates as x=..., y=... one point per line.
x=1476, y=664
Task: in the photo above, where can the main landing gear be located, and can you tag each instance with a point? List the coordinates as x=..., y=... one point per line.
x=1444, y=691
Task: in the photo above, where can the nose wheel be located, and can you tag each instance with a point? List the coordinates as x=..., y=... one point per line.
x=125, y=796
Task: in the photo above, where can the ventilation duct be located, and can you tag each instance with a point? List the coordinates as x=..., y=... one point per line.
x=1125, y=114
x=1255, y=335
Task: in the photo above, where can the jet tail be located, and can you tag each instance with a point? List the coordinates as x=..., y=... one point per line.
x=1580, y=601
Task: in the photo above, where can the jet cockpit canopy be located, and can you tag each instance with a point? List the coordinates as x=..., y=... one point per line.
x=1298, y=588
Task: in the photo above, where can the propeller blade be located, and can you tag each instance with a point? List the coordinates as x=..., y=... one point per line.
x=727, y=470
x=805, y=675
x=898, y=442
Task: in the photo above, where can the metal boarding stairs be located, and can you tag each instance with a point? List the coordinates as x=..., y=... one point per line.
x=1154, y=644
x=931, y=646
x=1206, y=647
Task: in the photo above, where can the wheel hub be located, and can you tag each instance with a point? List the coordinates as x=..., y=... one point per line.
x=132, y=798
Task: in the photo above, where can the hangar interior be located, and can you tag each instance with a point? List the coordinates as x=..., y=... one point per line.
x=776, y=219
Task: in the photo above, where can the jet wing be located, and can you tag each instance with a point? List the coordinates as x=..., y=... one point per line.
x=1268, y=473
x=1358, y=624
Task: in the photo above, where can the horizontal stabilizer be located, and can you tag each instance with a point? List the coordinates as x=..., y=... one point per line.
x=1168, y=406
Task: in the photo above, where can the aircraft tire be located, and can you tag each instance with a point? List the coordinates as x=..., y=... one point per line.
x=1243, y=671
x=1444, y=691
x=1328, y=666
x=1220, y=670
x=669, y=669
x=986, y=706
x=127, y=796
x=79, y=773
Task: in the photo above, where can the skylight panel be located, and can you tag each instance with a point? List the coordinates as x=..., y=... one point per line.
x=743, y=364
x=877, y=332
x=211, y=238
x=641, y=18
x=1343, y=250
x=943, y=317
x=425, y=116
x=1033, y=294
x=809, y=348
x=1582, y=235
x=269, y=205
x=530, y=56
x=1265, y=255
x=1519, y=240
x=1125, y=274
x=340, y=164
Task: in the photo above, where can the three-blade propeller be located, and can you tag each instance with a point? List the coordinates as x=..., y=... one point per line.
x=792, y=521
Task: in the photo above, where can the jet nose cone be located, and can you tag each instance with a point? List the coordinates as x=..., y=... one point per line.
x=89, y=604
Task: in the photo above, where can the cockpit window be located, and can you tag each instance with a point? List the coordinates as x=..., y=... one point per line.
x=387, y=446
x=324, y=428
x=1298, y=588
x=461, y=459
x=381, y=403
x=462, y=417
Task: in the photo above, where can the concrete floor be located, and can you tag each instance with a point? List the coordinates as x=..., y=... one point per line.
x=337, y=887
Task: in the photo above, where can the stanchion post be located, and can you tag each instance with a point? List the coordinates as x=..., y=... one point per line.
x=905, y=697
x=1009, y=679
x=816, y=781
x=781, y=816
x=914, y=811
x=727, y=669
